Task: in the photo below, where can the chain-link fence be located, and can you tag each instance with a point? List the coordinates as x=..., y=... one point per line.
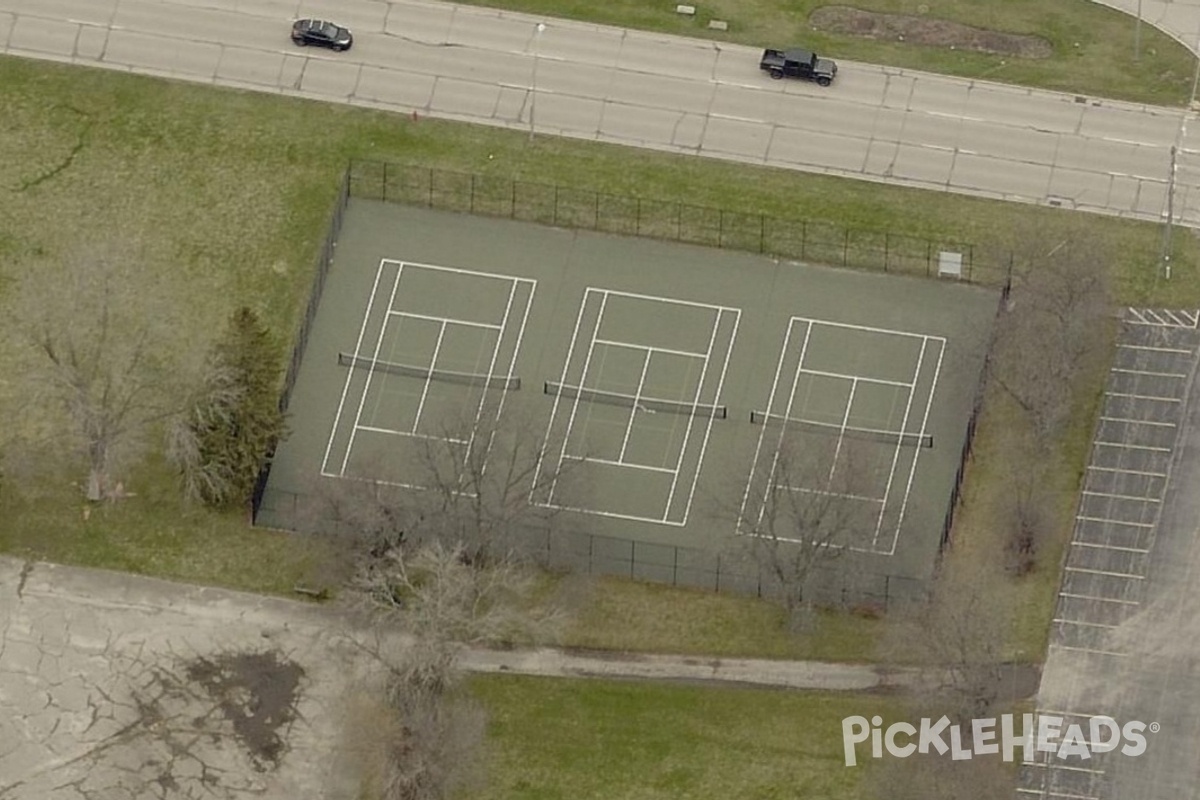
x=812, y=241
x=836, y=583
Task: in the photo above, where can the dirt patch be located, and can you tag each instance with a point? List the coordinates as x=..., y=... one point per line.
x=927, y=31
x=257, y=694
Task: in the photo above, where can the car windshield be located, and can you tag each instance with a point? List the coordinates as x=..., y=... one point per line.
x=328, y=30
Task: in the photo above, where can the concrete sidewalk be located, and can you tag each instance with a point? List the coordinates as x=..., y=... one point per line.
x=1179, y=19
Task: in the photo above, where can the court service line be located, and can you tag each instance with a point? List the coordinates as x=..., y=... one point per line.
x=367, y=384
x=612, y=514
x=466, y=323
x=611, y=463
x=537, y=471
x=687, y=434
x=496, y=276
x=887, y=489
x=737, y=319
x=689, y=303
x=650, y=348
x=880, y=381
x=362, y=332
x=937, y=373
x=867, y=328
x=787, y=338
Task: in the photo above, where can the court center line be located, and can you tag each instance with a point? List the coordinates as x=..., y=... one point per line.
x=837, y=448
x=770, y=485
x=483, y=395
x=887, y=489
x=687, y=434
x=737, y=318
x=437, y=348
x=512, y=363
x=466, y=323
x=651, y=348
x=587, y=362
x=845, y=495
x=367, y=384
x=362, y=332
x=787, y=338
x=937, y=374
x=537, y=470
x=637, y=399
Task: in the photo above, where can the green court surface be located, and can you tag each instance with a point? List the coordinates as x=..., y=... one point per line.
x=668, y=382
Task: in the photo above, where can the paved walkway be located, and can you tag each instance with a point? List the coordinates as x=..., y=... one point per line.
x=115, y=685
x=1177, y=18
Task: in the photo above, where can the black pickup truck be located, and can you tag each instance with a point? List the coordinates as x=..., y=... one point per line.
x=798, y=63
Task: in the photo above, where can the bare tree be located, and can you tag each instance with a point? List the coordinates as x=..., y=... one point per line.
x=99, y=356
x=804, y=514
x=483, y=497
x=1055, y=328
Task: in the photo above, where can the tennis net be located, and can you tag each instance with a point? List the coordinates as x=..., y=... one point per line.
x=887, y=437
x=630, y=401
x=511, y=382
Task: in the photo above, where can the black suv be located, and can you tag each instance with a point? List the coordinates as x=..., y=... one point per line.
x=322, y=34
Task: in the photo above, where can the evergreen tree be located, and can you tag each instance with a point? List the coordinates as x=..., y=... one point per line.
x=234, y=426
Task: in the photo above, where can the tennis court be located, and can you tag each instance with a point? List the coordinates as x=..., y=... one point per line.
x=671, y=382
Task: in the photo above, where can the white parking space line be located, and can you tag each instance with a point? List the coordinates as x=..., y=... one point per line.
x=1135, y=498
x=1148, y=397
x=1124, y=471
x=1141, y=550
x=1127, y=446
x=1107, y=521
x=1138, y=421
x=1099, y=599
x=1125, y=575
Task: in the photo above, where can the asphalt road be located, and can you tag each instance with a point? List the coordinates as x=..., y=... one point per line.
x=649, y=90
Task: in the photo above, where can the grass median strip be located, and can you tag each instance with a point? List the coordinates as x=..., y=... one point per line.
x=1091, y=46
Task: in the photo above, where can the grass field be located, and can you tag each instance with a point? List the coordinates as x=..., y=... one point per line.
x=1093, y=46
x=227, y=194
x=562, y=739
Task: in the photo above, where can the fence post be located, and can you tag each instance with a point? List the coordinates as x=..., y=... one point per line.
x=512, y=206
x=637, y=219
x=720, y=227
x=591, y=547
x=383, y=186
x=717, y=588
x=675, y=568
x=762, y=233
x=555, y=212
x=846, y=248
x=970, y=263
x=430, y=187
x=803, y=238
x=596, y=216
x=678, y=221
x=928, y=255
x=472, y=193
x=632, y=557
x=887, y=248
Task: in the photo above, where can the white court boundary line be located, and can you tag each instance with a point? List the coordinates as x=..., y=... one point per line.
x=594, y=338
x=501, y=329
x=911, y=386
